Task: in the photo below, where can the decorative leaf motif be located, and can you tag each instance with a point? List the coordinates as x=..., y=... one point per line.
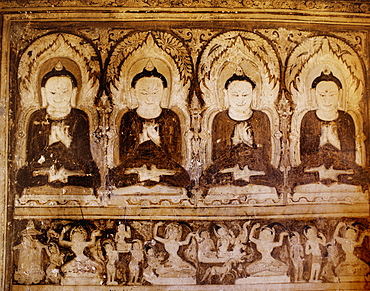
x=264, y=55
x=196, y=39
x=57, y=45
x=238, y=45
x=215, y=53
x=176, y=49
x=122, y=51
x=312, y=47
x=309, y=49
x=343, y=52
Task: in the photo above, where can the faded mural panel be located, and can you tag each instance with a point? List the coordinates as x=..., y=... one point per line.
x=190, y=154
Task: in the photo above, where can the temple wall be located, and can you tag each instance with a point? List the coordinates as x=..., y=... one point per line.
x=190, y=145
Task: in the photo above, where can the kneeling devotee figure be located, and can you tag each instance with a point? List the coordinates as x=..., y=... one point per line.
x=150, y=137
x=327, y=142
x=241, y=140
x=58, y=143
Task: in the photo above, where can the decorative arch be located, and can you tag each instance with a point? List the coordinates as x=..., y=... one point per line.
x=78, y=56
x=171, y=58
x=258, y=60
x=306, y=62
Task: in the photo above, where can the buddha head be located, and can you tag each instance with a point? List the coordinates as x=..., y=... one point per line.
x=327, y=90
x=238, y=91
x=149, y=87
x=59, y=88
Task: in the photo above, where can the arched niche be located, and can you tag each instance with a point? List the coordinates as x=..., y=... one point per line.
x=76, y=55
x=257, y=58
x=307, y=61
x=169, y=55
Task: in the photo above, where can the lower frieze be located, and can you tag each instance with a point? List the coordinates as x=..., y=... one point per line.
x=195, y=253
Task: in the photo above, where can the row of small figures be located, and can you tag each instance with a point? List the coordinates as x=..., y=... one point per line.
x=219, y=254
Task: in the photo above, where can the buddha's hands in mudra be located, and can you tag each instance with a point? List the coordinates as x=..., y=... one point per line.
x=150, y=132
x=243, y=133
x=59, y=133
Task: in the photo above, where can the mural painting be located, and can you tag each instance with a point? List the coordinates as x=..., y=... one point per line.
x=187, y=156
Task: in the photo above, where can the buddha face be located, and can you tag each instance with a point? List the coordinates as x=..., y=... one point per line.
x=327, y=96
x=239, y=94
x=149, y=92
x=58, y=92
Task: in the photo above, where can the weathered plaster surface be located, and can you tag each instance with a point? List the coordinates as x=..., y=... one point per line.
x=211, y=192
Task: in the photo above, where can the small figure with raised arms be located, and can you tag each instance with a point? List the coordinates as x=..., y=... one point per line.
x=267, y=266
x=81, y=270
x=175, y=268
x=352, y=268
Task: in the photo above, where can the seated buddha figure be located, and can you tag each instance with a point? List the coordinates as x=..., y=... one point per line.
x=241, y=140
x=58, y=143
x=150, y=137
x=327, y=141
